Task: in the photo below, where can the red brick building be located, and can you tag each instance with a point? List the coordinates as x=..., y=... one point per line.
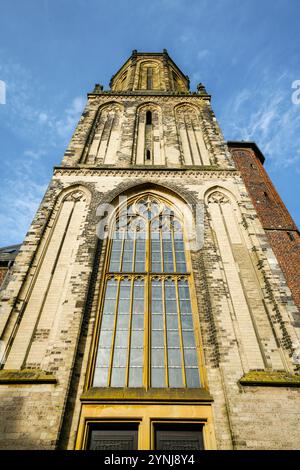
x=278, y=224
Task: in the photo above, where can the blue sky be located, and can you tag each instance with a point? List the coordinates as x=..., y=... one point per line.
x=52, y=52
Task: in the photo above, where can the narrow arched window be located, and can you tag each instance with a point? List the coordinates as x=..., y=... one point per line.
x=148, y=117
x=147, y=328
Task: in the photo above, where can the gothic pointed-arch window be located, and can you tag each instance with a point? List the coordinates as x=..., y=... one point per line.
x=147, y=327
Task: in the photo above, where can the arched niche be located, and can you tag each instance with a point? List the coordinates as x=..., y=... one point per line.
x=149, y=75
x=104, y=139
x=149, y=148
x=244, y=313
x=48, y=286
x=192, y=144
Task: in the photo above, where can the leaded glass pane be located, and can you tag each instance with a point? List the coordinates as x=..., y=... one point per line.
x=158, y=357
x=157, y=306
x=155, y=252
x=135, y=377
x=168, y=252
x=116, y=253
x=109, y=306
x=192, y=377
x=157, y=322
x=175, y=377
x=136, y=357
x=158, y=379
x=105, y=338
x=174, y=357
x=137, y=339
x=185, y=306
x=172, y=322
x=138, y=322
x=140, y=254
x=120, y=357
x=173, y=339
x=157, y=339
x=103, y=357
x=101, y=377
x=170, y=290
x=122, y=322
x=128, y=255
x=107, y=322
x=171, y=306
x=138, y=297
x=187, y=322
x=138, y=306
x=188, y=339
x=118, y=377
x=190, y=357
x=121, y=339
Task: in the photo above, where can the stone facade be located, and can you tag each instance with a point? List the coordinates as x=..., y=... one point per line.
x=249, y=322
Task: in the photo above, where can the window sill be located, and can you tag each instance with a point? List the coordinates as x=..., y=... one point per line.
x=262, y=378
x=179, y=395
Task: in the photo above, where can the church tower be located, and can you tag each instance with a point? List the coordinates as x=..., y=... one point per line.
x=146, y=308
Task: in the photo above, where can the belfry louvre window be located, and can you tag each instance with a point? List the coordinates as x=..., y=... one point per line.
x=147, y=334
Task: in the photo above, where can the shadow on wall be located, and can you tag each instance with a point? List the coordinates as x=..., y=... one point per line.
x=65, y=439
x=16, y=430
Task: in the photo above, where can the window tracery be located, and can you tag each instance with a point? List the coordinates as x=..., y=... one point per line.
x=147, y=334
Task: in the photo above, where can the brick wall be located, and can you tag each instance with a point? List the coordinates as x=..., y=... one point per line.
x=280, y=228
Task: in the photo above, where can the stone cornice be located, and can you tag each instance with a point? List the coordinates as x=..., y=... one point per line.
x=149, y=95
x=200, y=172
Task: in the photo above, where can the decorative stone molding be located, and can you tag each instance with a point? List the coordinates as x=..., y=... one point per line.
x=218, y=198
x=132, y=96
x=204, y=173
x=76, y=196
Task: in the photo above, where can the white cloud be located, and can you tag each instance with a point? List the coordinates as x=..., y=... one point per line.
x=265, y=114
x=202, y=54
x=19, y=203
x=71, y=116
x=24, y=107
x=46, y=127
x=43, y=117
x=34, y=154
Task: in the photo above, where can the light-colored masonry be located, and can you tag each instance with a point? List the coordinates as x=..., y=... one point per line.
x=250, y=326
